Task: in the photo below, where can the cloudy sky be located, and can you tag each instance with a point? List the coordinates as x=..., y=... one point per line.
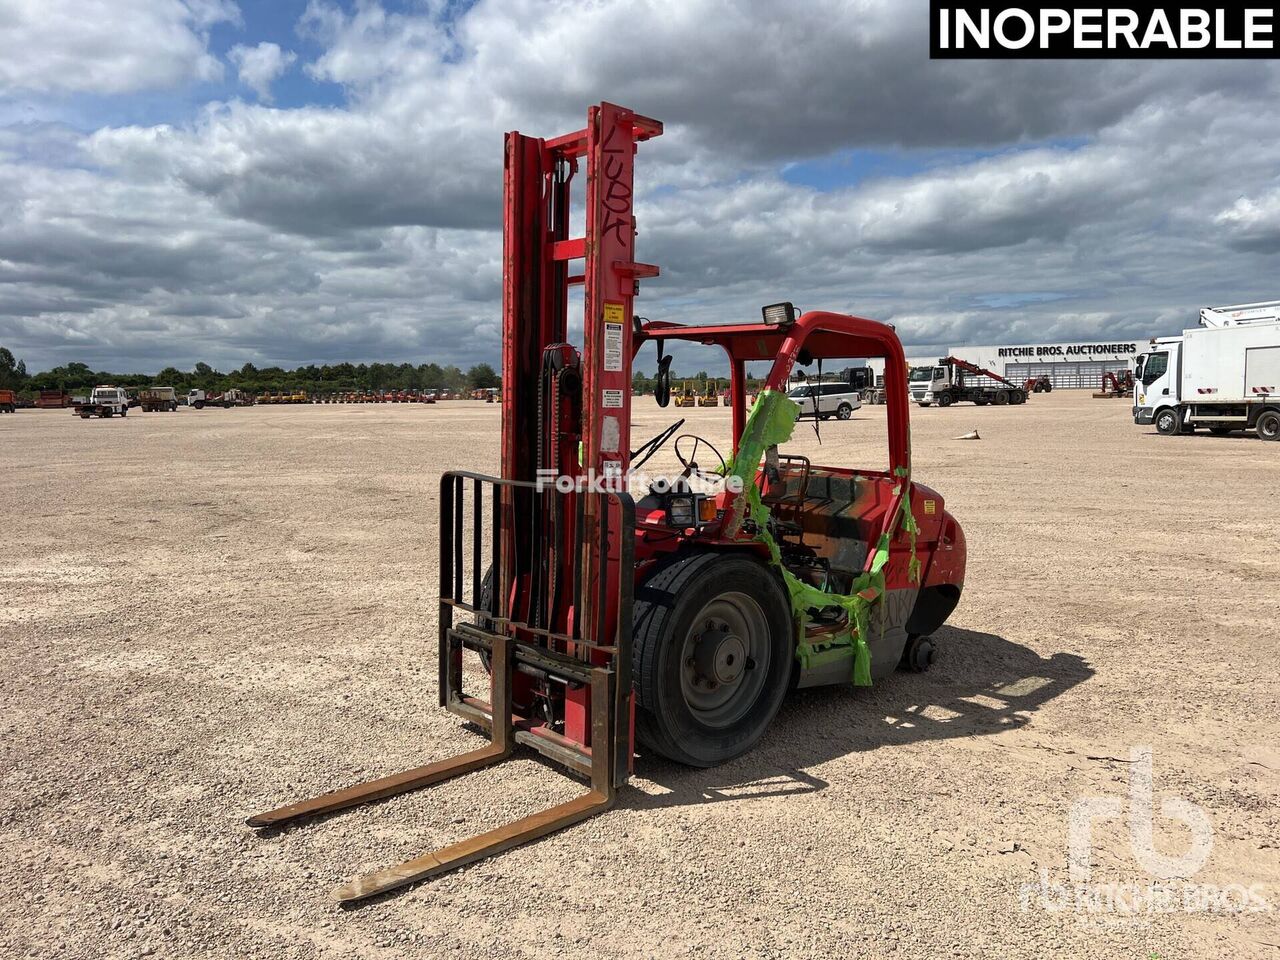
x=284, y=181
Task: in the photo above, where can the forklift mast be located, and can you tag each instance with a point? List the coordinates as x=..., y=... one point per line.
x=558, y=565
x=537, y=253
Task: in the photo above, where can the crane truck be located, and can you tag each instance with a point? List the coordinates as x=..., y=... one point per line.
x=954, y=380
x=1223, y=375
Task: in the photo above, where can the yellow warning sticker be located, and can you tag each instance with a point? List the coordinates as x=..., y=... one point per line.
x=614, y=312
x=931, y=507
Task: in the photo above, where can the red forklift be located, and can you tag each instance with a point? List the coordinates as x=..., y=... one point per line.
x=613, y=614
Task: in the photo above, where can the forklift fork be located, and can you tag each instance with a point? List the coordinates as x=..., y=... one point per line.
x=604, y=761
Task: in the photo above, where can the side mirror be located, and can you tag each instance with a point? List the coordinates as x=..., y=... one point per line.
x=662, y=380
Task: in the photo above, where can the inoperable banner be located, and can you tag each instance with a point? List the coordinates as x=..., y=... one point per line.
x=1139, y=31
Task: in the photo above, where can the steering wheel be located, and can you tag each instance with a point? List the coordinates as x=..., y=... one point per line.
x=689, y=462
x=641, y=454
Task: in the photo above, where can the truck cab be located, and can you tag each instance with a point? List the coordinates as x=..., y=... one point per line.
x=104, y=401
x=1156, y=379
x=922, y=382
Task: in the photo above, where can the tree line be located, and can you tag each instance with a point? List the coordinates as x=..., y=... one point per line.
x=313, y=378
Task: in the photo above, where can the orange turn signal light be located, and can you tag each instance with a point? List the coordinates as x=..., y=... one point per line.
x=706, y=510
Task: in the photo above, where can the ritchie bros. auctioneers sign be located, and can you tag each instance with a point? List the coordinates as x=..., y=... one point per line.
x=1139, y=31
x=1078, y=350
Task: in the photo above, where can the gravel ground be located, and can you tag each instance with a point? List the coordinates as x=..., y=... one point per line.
x=210, y=613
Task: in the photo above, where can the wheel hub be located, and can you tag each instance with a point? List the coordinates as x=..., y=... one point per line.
x=719, y=655
x=725, y=659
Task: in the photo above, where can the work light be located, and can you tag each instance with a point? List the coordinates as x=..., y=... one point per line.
x=779, y=314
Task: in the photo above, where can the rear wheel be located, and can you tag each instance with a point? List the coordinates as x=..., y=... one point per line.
x=1268, y=425
x=712, y=657
x=1000, y=399
x=844, y=412
x=1167, y=421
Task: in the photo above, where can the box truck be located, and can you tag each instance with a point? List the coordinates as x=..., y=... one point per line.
x=1221, y=376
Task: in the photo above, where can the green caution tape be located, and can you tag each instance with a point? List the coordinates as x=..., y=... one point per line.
x=772, y=421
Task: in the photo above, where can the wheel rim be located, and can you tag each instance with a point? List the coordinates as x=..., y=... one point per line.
x=724, y=660
x=1269, y=426
x=1166, y=422
x=844, y=413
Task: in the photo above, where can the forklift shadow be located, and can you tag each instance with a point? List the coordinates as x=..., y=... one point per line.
x=980, y=684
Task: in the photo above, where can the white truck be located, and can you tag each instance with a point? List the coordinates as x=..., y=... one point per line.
x=1223, y=375
x=231, y=398
x=104, y=401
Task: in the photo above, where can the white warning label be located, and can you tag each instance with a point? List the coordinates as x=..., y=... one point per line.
x=612, y=347
x=610, y=435
x=611, y=398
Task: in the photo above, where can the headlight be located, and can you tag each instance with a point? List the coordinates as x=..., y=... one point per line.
x=680, y=511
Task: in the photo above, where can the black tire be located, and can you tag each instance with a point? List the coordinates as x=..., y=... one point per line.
x=844, y=411
x=981, y=401
x=925, y=403
x=1268, y=425
x=944, y=399
x=1019, y=396
x=199, y=404
x=1000, y=399
x=682, y=714
x=1168, y=422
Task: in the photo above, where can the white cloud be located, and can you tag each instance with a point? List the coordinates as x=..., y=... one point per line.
x=107, y=46
x=1252, y=223
x=261, y=66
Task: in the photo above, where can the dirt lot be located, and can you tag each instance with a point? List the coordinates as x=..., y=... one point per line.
x=209, y=613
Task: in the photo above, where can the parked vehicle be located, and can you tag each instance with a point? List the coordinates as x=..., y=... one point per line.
x=868, y=384
x=155, y=399
x=54, y=400
x=1223, y=375
x=826, y=400
x=1115, y=386
x=954, y=380
x=231, y=398
x=687, y=397
x=105, y=401
x=8, y=401
x=680, y=620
